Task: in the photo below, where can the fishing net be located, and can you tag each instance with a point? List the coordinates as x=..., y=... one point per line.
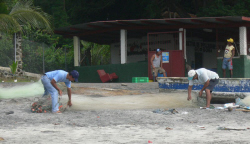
x=44, y=105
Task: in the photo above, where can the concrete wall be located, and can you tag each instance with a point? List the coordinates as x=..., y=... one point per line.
x=241, y=67
x=6, y=73
x=136, y=58
x=225, y=85
x=247, y=66
x=209, y=60
x=208, y=50
x=125, y=72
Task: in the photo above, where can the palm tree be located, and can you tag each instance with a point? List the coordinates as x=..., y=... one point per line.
x=23, y=13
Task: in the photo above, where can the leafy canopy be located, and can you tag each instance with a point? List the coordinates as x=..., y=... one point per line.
x=24, y=13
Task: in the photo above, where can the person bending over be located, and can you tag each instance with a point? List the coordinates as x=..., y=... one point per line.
x=49, y=81
x=206, y=77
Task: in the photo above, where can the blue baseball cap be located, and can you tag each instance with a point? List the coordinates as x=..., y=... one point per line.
x=75, y=75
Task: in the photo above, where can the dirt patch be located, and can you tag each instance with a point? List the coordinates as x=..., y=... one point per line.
x=117, y=126
x=100, y=92
x=114, y=116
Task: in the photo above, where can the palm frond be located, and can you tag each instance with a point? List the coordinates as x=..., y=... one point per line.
x=25, y=13
x=8, y=24
x=35, y=19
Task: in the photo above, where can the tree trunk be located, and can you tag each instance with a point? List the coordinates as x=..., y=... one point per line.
x=19, y=54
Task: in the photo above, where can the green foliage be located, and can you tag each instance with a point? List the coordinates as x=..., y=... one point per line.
x=10, y=4
x=55, y=8
x=6, y=50
x=38, y=30
x=54, y=58
x=32, y=56
x=68, y=12
x=153, y=10
x=33, y=44
x=3, y=7
x=100, y=54
x=39, y=36
x=24, y=13
x=226, y=8
x=13, y=67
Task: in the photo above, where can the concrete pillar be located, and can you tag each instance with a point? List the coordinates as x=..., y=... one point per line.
x=76, y=50
x=243, y=40
x=185, y=45
x=19, y=54
x=180, y=41
x=123, y=42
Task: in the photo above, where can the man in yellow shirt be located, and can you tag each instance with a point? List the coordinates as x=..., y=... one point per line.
x=228, y=56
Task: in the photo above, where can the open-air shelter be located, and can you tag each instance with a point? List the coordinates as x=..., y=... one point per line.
x=197, y=42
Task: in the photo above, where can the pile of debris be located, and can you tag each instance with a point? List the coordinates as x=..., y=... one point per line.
x=165, y=111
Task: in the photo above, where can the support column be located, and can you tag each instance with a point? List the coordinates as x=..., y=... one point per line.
x=181, y=40
x=76, y=50
x=185, y=46
x=19, y=54
x=243, y=40
x=123, y=41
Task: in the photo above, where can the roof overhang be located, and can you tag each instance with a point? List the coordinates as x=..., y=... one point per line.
x=107, y=32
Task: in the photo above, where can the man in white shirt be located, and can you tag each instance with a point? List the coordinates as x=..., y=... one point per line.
x=206, y=77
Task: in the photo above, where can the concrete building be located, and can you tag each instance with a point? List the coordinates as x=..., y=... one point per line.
x=198, y=42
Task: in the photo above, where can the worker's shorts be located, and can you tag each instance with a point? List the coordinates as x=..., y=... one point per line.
x=212, y=84
x=227, y=64
x=157, y=70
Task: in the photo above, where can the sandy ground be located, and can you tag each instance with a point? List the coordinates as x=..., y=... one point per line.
x=102, y=117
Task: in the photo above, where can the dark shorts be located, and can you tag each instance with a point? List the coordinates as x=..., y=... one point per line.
x=212, y=84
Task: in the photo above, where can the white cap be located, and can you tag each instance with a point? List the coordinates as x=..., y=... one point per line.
x=191, y=74
x=158, y=50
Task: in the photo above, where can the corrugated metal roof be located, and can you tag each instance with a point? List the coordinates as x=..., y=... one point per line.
x=107, y=32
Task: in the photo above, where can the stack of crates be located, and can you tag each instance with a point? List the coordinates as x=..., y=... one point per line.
x=139, y=79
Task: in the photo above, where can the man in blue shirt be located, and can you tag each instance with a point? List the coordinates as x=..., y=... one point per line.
x=49, y=81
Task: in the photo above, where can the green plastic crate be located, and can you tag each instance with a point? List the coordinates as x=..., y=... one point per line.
x=139, y=79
